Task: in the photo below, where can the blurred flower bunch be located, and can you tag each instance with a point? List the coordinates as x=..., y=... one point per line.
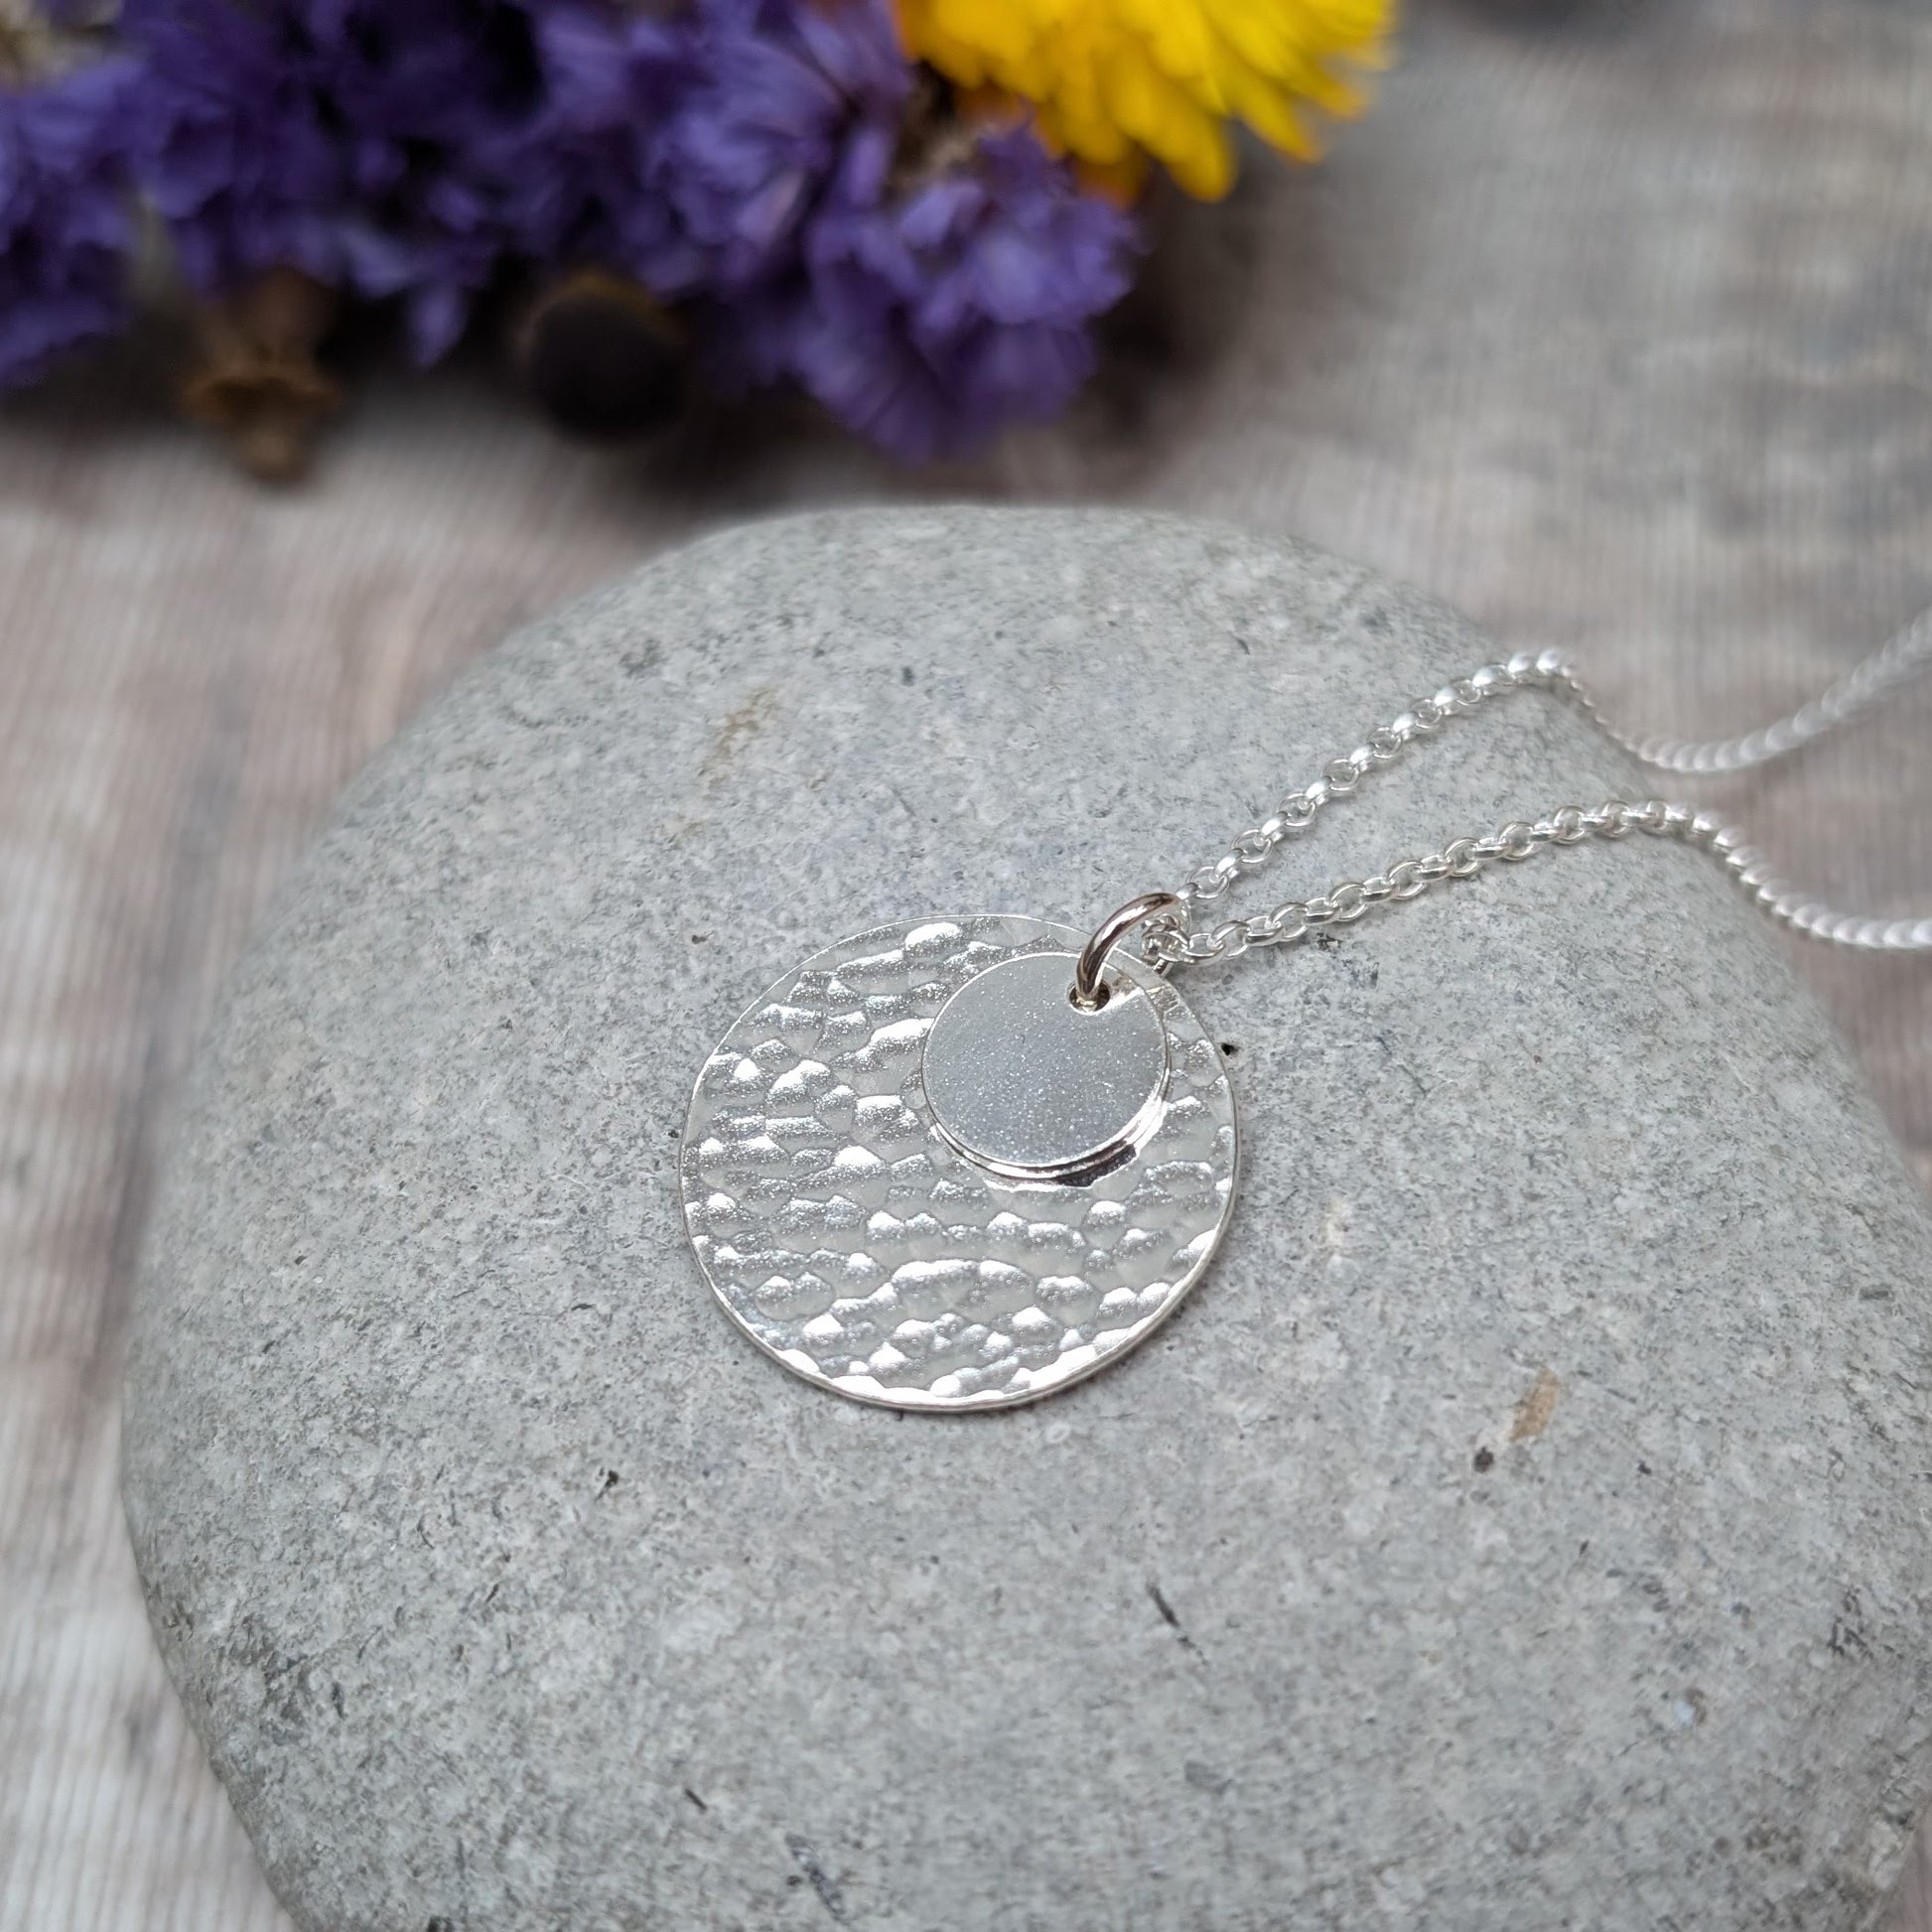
x=914, y=211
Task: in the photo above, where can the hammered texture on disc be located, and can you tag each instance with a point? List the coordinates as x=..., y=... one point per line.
x=847, y=1237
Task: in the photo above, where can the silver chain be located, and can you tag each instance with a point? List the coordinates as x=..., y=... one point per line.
x=1173, y=939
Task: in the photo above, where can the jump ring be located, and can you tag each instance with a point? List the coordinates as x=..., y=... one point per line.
x=1089, y=995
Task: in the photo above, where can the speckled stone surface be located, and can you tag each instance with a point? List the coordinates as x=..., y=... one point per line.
x=1522, y=1526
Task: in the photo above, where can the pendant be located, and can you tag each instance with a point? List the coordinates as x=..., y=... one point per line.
x=923, y=1172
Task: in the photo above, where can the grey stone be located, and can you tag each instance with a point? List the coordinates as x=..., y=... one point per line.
x=1522, y=1525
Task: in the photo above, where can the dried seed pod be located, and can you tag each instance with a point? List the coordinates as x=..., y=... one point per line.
x=258, y=384
x=603, y=357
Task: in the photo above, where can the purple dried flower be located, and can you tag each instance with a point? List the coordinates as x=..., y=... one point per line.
x=65, y=218
x=964, y=305
x=923, y=316
x=377, y=145
x=769, y=163
x=593, y=190
x=230, y=144
x=794, y=107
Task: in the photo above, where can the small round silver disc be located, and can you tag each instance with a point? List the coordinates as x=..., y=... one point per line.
x=855, y=1238
x=1027, y=1083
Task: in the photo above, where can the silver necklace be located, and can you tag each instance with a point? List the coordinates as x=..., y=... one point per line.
x=961, y=1162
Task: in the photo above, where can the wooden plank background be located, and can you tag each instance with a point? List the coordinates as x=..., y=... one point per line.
x=1614, y=326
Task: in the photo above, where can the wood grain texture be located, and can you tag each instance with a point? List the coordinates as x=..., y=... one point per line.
x=1614, y=326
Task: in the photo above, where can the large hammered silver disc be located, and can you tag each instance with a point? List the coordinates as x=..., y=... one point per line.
x=848, y=1237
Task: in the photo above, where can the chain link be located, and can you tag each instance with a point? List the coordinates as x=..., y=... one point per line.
x=1907, y=655
x=1174, y=938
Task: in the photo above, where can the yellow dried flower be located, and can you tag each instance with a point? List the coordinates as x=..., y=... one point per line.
x=1112, y=80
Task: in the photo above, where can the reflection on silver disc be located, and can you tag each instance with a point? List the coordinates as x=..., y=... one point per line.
x=1023, y=1081
x=850, y=1237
